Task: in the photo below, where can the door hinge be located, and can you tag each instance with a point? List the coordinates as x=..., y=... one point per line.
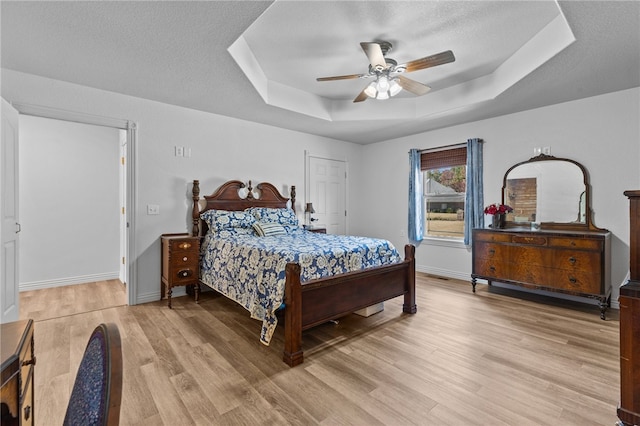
x=122, y=160
x=123, y=210
x=123, y=260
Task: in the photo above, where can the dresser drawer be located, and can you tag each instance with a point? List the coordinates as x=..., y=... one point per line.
x=577, y=281
x=492, y=268
x=579, y=243
x=576, y=260
x=491, y=251
x=492, y=236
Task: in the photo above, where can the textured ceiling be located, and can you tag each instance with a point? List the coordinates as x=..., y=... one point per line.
x=178, y=53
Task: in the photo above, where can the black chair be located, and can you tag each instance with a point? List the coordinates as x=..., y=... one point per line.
x=97, y=391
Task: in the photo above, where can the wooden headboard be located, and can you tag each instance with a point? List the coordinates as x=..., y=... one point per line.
x=227, y=197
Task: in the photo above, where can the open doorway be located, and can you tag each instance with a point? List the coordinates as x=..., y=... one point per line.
x=98, y=184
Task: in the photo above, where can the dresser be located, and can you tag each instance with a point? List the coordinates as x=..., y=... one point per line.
x=180, y=263
x=569, y=262
x=18, y=360
x=629, y=408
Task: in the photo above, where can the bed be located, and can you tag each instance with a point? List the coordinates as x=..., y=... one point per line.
x=288, y=272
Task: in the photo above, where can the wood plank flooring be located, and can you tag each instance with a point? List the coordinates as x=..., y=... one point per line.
x=491, y=358
x=67, y=300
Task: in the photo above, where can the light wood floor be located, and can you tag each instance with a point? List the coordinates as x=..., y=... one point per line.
x=490, y=358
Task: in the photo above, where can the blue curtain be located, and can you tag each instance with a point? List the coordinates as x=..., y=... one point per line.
x=416, y=209
x=474, y=201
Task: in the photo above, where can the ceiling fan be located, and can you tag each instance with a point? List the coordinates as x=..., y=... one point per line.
x=389, y=80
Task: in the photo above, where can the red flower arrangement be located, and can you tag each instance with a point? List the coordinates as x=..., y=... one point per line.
x=497, y=209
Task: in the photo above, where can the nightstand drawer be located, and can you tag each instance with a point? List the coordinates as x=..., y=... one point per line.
x=179, y=245
x=179, y=275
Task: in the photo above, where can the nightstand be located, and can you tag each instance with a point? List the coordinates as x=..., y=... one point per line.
x=318, y=230
x=180, y=263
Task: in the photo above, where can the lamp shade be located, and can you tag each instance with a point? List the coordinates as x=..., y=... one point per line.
x=309, y=208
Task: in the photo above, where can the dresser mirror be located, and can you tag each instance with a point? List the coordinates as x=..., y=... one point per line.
x=549, y=191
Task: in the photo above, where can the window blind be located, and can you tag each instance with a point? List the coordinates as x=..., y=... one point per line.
x=443, y=158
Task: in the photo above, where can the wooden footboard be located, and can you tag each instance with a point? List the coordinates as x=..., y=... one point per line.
x=321, y=300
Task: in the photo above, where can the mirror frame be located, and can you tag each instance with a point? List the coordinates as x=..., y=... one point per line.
x=588, y=225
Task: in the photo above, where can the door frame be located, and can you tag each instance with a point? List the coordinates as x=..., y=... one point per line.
x=131, y=184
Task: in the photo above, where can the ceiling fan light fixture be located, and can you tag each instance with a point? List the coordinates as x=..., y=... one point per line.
x=383, y=88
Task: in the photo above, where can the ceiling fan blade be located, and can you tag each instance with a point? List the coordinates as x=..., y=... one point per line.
x=361, y=97
x=413, y=86
x=429, y=61
x=341, y=77
x=374, y=53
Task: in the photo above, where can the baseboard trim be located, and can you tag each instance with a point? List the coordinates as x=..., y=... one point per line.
x=59, y=282
x=444, y=273
x=154, y=296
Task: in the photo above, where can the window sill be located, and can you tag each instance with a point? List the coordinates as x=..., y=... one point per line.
x=444, y=242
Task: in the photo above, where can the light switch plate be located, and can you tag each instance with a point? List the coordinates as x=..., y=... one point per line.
x=153, y=209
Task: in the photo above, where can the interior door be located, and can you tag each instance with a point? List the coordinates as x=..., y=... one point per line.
x=9, y=225
x=327, y=192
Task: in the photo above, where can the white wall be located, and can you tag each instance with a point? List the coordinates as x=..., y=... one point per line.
x=69, y=206
x=222, y=148
x=600, y=132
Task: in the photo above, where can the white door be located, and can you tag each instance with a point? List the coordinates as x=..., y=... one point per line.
x=9, y=226
x=327, y=192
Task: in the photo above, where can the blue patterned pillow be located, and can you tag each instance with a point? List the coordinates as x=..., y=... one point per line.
x=230, y=232
x=268, y=229
x=269, y=215
x=219, y=220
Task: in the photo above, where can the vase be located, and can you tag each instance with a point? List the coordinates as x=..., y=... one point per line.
x=498, y=221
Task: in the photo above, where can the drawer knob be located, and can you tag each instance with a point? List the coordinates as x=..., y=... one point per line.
x=184, y=246
x=184, y=259
x=492, y=268
x=572, y=260
x=492, y=251
x=27, y=412
x=572, y=280
x=184, y=273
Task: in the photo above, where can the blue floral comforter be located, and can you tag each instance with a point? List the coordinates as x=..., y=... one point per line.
x=251, y=270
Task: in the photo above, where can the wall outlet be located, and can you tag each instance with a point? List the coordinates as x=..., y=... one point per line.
x=546, y=150
x=179, y=150
x=537, y=151
x=403, y=233
x=153, y=209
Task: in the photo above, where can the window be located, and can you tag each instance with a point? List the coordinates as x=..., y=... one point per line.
x=445, y=184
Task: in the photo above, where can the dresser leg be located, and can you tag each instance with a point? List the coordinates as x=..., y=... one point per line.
x=169, y=291
x=473, y=284
x=197, y=290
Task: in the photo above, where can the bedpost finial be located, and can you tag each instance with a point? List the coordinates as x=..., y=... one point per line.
x=293, y=198
x=250, y=191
